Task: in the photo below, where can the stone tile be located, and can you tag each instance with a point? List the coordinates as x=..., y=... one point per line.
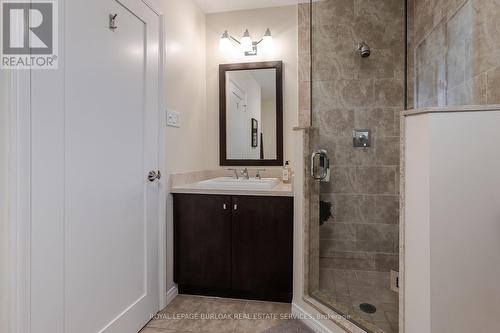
x=458, y=32
x=349, y=208
x=262, y=316
x=385, y=262
x=304, y=96
x=363, y=286
x=332, y=37
x=380, y=64
x=304, y=65
x=376, y=232
x=338, y=231
x=359, y=92
x=324, y=11
x=388, y=92
x=380, y=25
x=379, y=120
x=387, y=150
x=384, y=326
x=157, y=330
x=372, y=246
x=472, y=92
x=336, y=122
x=376, y=180
x=171, y=317
x=342, y=153
x=484, y=46
x=349, y=260
x=326, y=279
x=341, y=64
x=493, y=88
x=430, y=64
x=387, y=209
x=342, y=94
x=342, y=181
x=393, y=319
x=328, y=247
x=220, y=309
x=303, y=14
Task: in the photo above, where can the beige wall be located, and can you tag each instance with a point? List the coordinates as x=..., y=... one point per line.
x=185, y=92
x=456, y=47
x=284, y=32
x=185, y=83
x=3, y=200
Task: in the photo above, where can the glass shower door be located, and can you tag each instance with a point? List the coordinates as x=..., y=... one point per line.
x=357, y=85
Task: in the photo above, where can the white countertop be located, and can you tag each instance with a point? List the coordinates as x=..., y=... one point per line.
x=280, y=190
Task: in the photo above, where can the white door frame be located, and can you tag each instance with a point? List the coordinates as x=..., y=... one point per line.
x=19, y=191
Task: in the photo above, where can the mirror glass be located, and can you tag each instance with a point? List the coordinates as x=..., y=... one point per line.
x=251, y=114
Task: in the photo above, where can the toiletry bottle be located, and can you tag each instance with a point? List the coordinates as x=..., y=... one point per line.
x=287, y=173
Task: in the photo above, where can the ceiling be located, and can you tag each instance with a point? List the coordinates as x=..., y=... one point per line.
x=216, y=6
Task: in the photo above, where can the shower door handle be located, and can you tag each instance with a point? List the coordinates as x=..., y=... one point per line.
x=320, y=166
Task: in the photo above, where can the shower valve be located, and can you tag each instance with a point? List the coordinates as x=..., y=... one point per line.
x=361, y=138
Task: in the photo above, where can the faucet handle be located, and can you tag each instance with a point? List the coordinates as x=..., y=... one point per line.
x=258, y=175
x=235, y=172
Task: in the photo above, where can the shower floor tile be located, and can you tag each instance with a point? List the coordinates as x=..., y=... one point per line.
x=345, y=290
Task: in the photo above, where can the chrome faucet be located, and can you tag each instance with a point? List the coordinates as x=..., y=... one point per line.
x=244, y=173
x=258, y=175
x=235, y=173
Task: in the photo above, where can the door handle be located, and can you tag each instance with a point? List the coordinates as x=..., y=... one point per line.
x=154, y=175
x=320, y=166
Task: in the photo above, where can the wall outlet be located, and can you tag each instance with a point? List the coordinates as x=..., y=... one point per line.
x=173, y=118
x=395, y=281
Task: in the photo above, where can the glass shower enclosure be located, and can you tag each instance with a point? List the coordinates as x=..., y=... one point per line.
x=356, y=80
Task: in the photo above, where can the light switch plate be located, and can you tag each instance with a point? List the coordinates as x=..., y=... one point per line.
x=173, y=118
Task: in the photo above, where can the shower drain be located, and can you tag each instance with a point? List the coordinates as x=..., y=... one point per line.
x=368, y=308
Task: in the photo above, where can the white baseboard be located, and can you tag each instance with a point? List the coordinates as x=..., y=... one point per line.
x=171, y=294
x=308, y=320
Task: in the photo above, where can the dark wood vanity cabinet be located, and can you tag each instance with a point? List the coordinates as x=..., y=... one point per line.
x=234, y=246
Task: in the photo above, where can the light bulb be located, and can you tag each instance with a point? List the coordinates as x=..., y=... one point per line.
x=225, y=43
x=267, y=42
x=246, y=42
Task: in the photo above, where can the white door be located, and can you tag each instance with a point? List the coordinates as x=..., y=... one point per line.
x=95, y=136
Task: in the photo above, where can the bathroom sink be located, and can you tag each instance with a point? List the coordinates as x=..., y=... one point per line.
x=241, y=183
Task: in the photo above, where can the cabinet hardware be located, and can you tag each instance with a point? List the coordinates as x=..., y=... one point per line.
x=224, y=206
x=235, y=206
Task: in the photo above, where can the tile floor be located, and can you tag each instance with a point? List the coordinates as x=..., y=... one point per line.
x=345, y=290
x=218, y=315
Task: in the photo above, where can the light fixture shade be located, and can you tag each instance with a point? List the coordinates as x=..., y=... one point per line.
x=246, y=42
x=267, y=42
x=225, y=43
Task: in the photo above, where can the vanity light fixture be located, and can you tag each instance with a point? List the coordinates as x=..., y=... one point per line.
x=246, y=42
x=247, y=46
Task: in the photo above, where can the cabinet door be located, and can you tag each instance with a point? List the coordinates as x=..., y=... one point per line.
x=262, y=245
x=202, y=241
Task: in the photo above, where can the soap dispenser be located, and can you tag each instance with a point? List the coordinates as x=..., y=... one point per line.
x=287, y=173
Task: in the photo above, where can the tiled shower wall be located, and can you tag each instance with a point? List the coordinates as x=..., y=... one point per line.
x=350, y=92
x=456, y=51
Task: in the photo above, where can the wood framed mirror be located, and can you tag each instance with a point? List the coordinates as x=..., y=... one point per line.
x=251, y=114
